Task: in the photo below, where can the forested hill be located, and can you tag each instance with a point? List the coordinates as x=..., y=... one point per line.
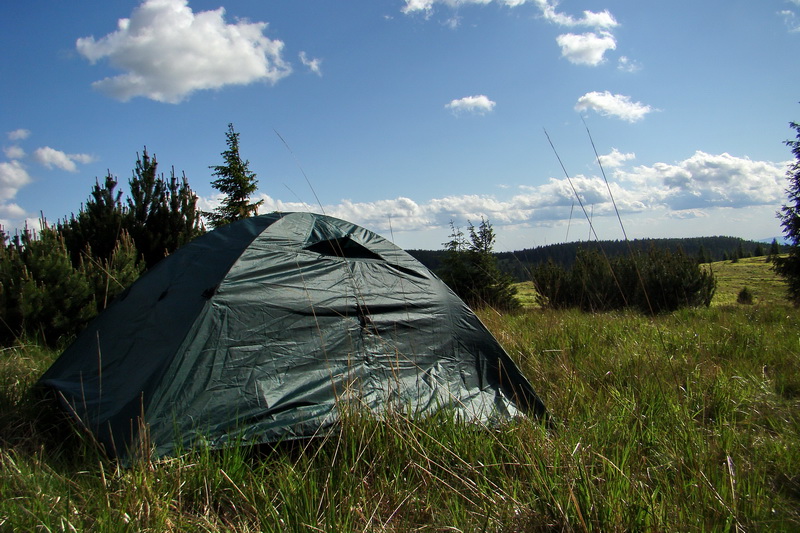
x=706, y=249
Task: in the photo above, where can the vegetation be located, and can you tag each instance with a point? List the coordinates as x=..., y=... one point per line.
x=766, y=286
x=160, y=215
x=44, y=295
x=236, y=182
x=684, y=422
x=705, y=249
x=789, y=215
x=687, y=420
x=470, y=269
x=654, y=282
x=54, y=281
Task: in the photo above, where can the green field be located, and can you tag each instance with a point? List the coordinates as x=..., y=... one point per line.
x=688, y=421
x=751, y=272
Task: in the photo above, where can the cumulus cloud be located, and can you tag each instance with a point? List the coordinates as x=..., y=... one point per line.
x=18, y=135
x=586, y=48
x=690, y=189
x=52, y=158
x=314, y=65
x=13, y=176
x=167, y=52
x=613, y=105
x=14, y=152
x=591, y=19
x=477, y=105
x=708, y=180
x=616, y=158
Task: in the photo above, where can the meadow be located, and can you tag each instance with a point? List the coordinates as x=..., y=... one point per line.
x=688, y=421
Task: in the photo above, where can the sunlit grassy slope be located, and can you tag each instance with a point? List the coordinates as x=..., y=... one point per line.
x=756, y=274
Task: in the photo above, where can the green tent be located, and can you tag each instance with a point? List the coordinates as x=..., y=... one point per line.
x=263, y=329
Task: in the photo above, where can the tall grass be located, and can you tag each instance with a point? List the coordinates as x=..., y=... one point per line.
x=685, y=422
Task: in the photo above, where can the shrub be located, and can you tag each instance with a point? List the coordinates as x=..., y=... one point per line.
x=43, y=295
x=656, y=281
x=745, y=296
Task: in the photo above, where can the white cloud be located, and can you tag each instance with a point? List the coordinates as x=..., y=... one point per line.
x=479, y=105
x=626, y=64
x=613, y=105
x=790, y=19
x=14, y=152
x=590, y=19
x=413, y=6
x=13, y=176
x=167, y=52
x=52, y=158
x=704, y=186
x=616, y=158
x=426, y=6
x=314, y=65
x=586, y=48
x=18, y=135
x=708, y=180
x=11, y=211
x=453, y=22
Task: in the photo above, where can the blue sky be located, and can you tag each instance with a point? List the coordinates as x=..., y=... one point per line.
x=406, y=114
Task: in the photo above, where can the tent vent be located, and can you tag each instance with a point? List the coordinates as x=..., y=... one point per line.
x=342, y=247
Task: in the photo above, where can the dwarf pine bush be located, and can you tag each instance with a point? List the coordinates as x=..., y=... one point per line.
x=656, y=281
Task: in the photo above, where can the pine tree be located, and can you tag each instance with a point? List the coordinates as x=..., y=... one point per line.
x=774, y=250
x=145, y=206
x=470, y=268
x=162, y=215
x=97, y=225
x=236, y=182
x=789, y=215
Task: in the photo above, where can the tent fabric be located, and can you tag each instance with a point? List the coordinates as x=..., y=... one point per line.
x=264, y=329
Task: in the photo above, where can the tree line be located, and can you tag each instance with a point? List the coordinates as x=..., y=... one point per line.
x=519, y=264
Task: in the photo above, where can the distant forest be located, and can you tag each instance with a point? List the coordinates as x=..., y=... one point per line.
x=518, y=264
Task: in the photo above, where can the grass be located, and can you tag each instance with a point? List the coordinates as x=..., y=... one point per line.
x=752, y=272
x=688, y=421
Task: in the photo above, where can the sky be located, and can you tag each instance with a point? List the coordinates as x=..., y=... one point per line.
x=405, y=116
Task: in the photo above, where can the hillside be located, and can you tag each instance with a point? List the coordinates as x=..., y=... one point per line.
x=754, y=273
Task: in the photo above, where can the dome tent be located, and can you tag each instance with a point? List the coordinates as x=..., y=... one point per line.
x=256, y=331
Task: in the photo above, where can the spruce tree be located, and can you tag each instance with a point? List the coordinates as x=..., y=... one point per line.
x=470, y=268
x=236, y=182
x=789, y=215
x=774, y=250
